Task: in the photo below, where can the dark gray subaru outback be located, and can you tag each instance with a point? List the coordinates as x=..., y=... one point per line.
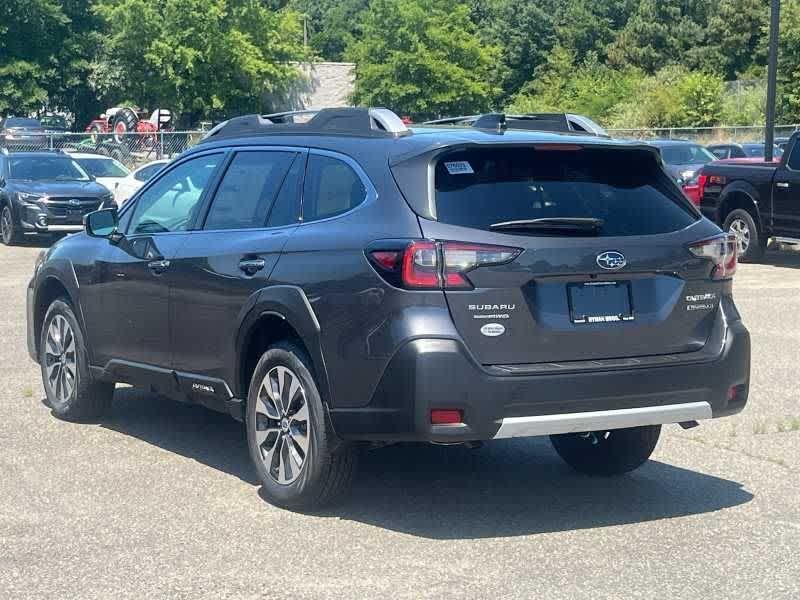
x=346, y=280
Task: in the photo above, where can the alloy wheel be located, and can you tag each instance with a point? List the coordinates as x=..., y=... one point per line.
x=6, y=226
x=282, y=424
x=742, y=232
x=60, y=359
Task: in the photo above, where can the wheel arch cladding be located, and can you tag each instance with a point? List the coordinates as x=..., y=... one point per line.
x=744, y=197
x=51, y=288
x=281, y=312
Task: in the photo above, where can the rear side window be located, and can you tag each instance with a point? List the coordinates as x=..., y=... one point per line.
x=625, y=188
x=248, y=190
x=794, y=158
x=332, y=187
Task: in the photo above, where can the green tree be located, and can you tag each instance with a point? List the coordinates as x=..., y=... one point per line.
x=423, y=58
x=525, y=32
x=199, y=57
x=660, y=33
x=30, y=33
x=735, y=37
x=789, y=63
x=591, y=88
x=331, y=24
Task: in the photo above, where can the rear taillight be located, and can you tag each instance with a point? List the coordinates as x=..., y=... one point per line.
x=429, y=265
x=701, y=186
x=722, y=250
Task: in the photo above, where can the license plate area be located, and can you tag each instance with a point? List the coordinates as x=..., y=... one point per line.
x=600, y=302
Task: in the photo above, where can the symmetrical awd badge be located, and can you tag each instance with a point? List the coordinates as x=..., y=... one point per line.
x=611, y=260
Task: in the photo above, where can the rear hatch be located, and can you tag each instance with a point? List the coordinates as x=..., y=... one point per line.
x=604, y=269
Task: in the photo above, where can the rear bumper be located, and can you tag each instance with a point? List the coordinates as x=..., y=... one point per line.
x=439, y=373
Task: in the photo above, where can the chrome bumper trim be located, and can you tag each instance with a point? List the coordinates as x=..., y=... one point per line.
x=603, y=419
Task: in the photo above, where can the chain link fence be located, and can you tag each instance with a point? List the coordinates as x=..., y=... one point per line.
x=136, y=149
x=131, y=149
x=705, y=135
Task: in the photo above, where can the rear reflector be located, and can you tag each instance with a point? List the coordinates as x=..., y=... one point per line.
x=722, y=250
x=446, y=416
x=430, y=265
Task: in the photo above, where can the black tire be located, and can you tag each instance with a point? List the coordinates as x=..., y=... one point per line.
x=607, y=452
x=756, y=243
x=126, y=118
x=88, y=399
x=329, y=464
x=9, y=232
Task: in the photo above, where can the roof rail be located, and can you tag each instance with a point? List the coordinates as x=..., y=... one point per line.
x=563, y=122
x=368, y=122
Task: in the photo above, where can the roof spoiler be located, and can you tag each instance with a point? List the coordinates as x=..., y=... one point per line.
x=558, y=122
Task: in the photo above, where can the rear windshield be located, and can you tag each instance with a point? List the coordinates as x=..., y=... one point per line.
x=625, y=188
x=686, y=154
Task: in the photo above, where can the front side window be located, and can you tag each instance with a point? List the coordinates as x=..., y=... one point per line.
x=248, y=190
x=172, y=202
x=688, y=154
x=146, y=173
x=332, y=187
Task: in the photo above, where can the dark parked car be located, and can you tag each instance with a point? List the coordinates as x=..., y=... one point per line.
x=682, y=158
x=755, y=201
x=748, y=150
x=45, y=193
x=22, y=133
x=349, y=281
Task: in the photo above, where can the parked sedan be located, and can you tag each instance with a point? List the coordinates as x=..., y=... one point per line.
x=106, y=170
x=128, y=186
x=22, y=133
x=682, y=158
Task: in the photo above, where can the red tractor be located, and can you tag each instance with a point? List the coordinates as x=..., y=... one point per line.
x=122, y=120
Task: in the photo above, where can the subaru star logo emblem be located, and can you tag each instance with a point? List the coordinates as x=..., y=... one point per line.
x=611, y=260
x=74, y=202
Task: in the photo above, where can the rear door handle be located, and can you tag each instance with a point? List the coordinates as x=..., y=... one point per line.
x=782, y=184
x=252, y=265
x=158, y=266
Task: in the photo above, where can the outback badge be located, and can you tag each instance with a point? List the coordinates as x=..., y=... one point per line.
x=611, y=260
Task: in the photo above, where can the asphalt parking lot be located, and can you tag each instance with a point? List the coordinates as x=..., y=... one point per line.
x=158, y=500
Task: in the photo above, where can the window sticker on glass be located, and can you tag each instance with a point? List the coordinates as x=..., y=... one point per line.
x=458, y=167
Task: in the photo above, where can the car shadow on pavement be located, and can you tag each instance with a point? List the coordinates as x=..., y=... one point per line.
x=789, y=259
x=518, y=487
x=506, y=488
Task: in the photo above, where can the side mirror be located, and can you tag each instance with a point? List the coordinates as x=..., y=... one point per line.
x=102, y=224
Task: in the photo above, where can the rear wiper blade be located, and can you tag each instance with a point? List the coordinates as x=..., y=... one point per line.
x=566, y=224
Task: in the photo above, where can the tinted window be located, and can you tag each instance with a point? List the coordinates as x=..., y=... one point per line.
x=627, y=189
x=248, y=190
x=171, y=203
x=686, y=154
x=286, y=209
x=102, y=167
x=331, y=188
x=720, y=152
x=145, y=173
x=794, y=158
x=46, y=168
